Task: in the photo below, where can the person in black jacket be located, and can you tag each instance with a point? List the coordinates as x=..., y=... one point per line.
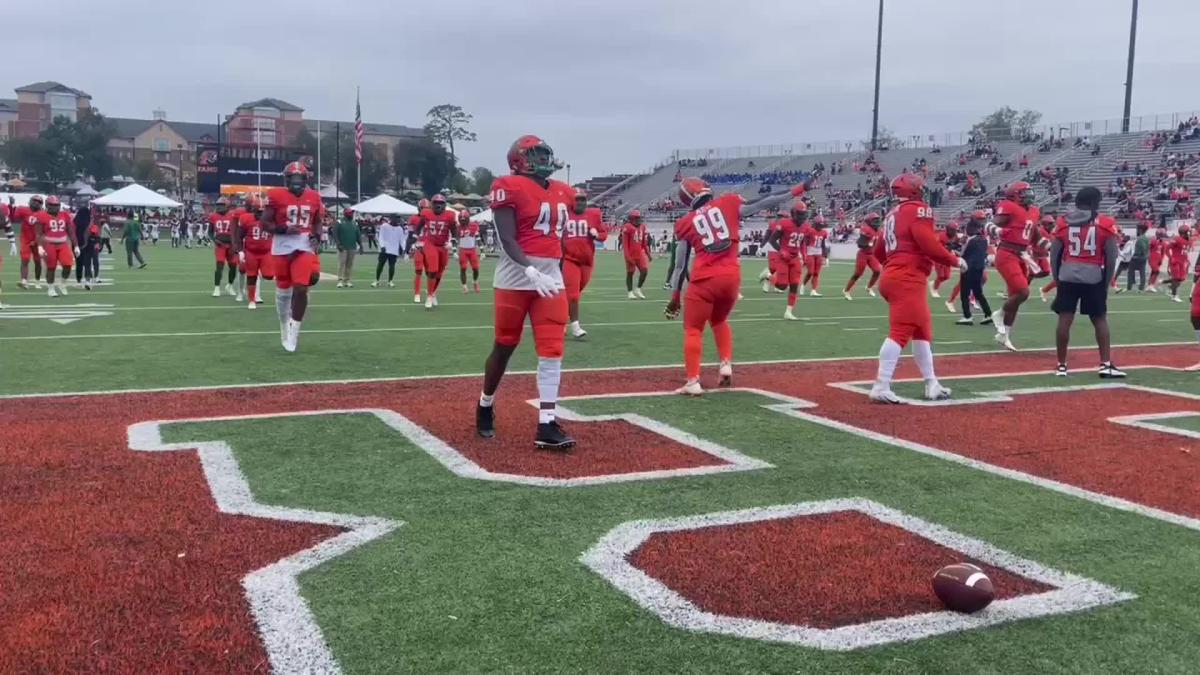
x=87, y=248
x=975, y=252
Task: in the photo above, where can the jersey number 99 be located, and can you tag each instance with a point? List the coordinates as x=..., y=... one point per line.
x=713, y=230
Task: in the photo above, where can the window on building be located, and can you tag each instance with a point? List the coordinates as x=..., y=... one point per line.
x=62, y=105
x=162, y=145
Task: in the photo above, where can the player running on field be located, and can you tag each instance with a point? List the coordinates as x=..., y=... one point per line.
x=221, y=222
x=771, y=244
x=710, y=233
x=865, y=259
x=1016, y=220
x=57, y=244
x=908, y=246
x=27, y=219
x=948, y=238
x=1177, y=259
x=1158, y=249
x=468, y=249
x=634, y=244
x=438, y=225
x=529, y=211
x=816, y=254
x=788, y=239
x=294, y=214
x=415, y=225
x=252, y=241
x=583, y=229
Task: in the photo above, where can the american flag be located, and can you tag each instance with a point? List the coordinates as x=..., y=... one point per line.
x=358, y=130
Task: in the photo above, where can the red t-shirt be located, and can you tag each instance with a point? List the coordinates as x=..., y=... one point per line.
x=1085, y=244
x=256, y=237
x=633, y=239
x=438, y=227
x=541, y=212
x=222, y=225
x=1019, y=230
x=581, y=232
x=713, y=233
x=1178, y=250
x=866, y=237
x=909, y=245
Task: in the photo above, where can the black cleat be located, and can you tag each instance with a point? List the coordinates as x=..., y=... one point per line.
x=1110, y=372
x=485, y=421
x=550, y=436
x=987, y=321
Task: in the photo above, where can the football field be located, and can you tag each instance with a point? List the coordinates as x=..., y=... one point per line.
x=181, y=495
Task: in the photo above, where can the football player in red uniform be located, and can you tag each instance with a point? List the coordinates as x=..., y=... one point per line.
x=710, y=232
x=294, y=214
x=438, y=226
x=947, y=237
x=868, y=230
x=583, y=229
x=816, y=254
x=221, y=222
x=1016, y=220
x=57, y=243
x=468, y=248
x=252, y=241
x=634, y=243
x=5, y=212
x=771, y=243
x=909, y=247
x=1177, y=259
x=529, y=211
x=26, y=217
x=415, y=224
x=788, y=239
x=1158, y=249
x=1084, y=260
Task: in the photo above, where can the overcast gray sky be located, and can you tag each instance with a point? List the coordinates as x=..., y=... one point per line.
x=617, y=84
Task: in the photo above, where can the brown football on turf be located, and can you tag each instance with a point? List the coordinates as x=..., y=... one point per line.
x=963, y=587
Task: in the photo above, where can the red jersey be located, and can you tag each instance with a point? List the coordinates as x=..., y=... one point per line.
x=468, y=235
x=438, y=227
x=909, y=245
x=814, y=241
x=541, y=212
x=25, y=217
x=1157, y=246
x=5, y=213
x=222, y=225
x=256, y=238
x=791, y=241
x=773, y=227
x=580, y=234
x=1178, y=250
x=55, y=228
x=633, y=239
x=1085, y=243
x=866, y=237
x=303, y=212
x=1019, y=230
x=713, y=233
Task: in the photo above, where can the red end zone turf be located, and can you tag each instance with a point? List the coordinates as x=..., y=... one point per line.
x=824, y=571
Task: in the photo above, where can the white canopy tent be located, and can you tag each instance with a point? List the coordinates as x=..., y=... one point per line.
x=138, y=196
x=87, y=191
x=331, y=192
x=385, y=205
x=484, y=216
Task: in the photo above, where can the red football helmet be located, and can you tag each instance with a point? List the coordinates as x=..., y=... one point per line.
x=871, y=217
x=1185, y=231
x=531, y=156
x=222, y=205
x=439, y=203
x=819, y=221
x=36, y=202
x=978, y=215
x=439, y=198
x=53, y=204
x=1020, y=192
x=464, y=216
x=423, y=204
x=799, y=212
x=908, y=186
x=635, y=217
x=691, y=189
x=295, y=177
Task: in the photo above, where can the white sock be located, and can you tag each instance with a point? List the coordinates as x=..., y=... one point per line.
x=765, y=274
x=923, y=354
x=283, y=305
x=486, y=401
x=574, y=325
x=889, y=355
x=549, y=375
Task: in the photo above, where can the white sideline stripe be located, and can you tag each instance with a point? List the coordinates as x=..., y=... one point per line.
x=609, y=558
x=1144, y=422
x=952, y=342
x=594, y=369
x=290, y=634
x=853, y=330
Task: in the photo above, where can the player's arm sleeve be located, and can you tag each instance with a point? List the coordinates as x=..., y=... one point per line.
x=926, y=239
x=680, y=274
x=1056, y=253
x=768, y=202
x=1112, y=254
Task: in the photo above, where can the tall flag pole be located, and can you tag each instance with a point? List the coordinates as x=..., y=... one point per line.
x=358, y=139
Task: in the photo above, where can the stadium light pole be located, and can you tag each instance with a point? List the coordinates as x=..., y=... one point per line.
x=1128, y=68
x=878, y=61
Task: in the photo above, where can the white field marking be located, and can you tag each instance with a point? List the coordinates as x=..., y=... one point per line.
x=591, y=369
x=822, y=323
x=608, y=558
x=290, y=634
x=953, y=342
x=1045, y=483
x=1145, y=422
x=854, y=330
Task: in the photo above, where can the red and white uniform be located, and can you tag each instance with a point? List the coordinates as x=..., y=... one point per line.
x=1158, y=249
x=1086, y=244
x=580, y=235
x=56, y=238
x=468, y=246
x=1015, y=238
x=634, y=243
x=712, y=231
x=541, y=214
x=909, y=247
x=790, y=268
x=1177, y=258
x=865, y=258
x=256, y=243
x=221, y=227
x=1041, y=250
x=294, y=261
x=435, y=239
x=774, y=257
x=814, y=250
x=28, y=221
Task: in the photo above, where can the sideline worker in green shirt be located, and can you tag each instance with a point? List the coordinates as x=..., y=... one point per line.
x=132, y=236
x=346, y=235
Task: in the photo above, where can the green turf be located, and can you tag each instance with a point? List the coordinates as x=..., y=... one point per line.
x=485, y=577
x=1185, y=423
x=166, y=331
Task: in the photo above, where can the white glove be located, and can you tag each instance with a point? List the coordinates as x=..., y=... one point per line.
x=1030, y=262
x=991, y=260
x=242, y=257
x=962, y=264
x=12, y=248
x=545, y=285
x=41, y=251
x=76, y=249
